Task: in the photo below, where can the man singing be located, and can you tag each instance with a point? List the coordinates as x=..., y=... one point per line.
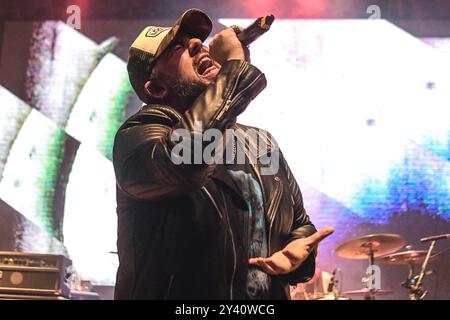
x=203, y=229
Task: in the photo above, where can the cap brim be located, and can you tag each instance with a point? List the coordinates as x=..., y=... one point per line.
x=193, y=22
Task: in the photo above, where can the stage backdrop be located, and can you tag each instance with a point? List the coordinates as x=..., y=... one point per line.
x=360, y=109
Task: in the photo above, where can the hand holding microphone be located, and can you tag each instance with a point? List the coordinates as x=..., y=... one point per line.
x=231, y=43
x=226, y=46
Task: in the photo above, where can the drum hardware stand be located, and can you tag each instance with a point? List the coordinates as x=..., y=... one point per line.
x=411, y=280
x=333, y=285
x=416, y=290
x=369, y=273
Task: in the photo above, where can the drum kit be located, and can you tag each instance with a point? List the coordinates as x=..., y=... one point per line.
x=383, y=248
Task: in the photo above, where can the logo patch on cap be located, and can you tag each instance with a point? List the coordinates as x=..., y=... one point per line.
x=155, y=31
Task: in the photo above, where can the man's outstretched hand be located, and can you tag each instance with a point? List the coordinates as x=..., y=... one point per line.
x=293, y=255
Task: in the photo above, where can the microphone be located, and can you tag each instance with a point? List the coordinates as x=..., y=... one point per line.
x=332, y=282
x=255, y=30
x=438, y=237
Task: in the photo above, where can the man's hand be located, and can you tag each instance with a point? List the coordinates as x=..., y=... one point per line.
x=226, y=46
x=293, y=255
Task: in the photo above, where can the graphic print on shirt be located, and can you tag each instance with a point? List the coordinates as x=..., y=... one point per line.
x=258, y=282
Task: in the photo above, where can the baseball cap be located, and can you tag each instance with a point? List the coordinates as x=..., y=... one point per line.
x=153, y=40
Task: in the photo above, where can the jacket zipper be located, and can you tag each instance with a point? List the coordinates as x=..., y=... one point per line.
x=232, y=240
x=272, y=207
x=234, y=261
x=240, y=93
x=213, y=201
x=228, y=102
x=169, y=288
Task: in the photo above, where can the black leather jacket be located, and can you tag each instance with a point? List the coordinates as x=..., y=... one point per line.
x=180, y=227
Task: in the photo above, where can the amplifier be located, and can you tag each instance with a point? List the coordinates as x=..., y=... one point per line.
x=34, y=274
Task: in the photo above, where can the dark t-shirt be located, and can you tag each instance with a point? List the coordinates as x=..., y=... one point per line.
x=258, y=282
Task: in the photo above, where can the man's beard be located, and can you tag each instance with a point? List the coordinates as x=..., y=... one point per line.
x=186, y=91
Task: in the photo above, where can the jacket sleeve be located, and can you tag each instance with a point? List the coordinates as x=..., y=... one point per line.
x=302, y=227
x=142, y=154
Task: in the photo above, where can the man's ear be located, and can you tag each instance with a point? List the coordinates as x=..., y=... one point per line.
x=156, y=89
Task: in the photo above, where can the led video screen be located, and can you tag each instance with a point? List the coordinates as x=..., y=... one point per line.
x=360, y=109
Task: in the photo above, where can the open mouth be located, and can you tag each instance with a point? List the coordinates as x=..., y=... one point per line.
x=204, y=66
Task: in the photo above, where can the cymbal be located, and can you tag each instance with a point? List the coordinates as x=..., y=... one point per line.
x=367, y=292
x=381, y=244
x=408, y=257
